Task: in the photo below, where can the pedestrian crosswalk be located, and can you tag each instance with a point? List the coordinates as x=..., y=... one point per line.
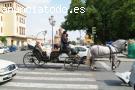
x=51, y=80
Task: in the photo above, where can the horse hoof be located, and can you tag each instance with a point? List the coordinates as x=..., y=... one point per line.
x=113, y=71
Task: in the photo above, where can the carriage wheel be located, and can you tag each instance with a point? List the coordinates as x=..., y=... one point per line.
x=72, y=63
x=77, y=61
x=28, y=60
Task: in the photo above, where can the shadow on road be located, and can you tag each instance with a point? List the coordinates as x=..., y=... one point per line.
x=115, y=83
x=61, y=66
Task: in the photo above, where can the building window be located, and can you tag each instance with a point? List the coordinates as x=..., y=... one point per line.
x=1, y=18
x=17, y=18
x=24, y=21
x=17, y=29
x=10, y=5
x=20, y=19
x=1, y=30
x=21, y=30
x=5, y=5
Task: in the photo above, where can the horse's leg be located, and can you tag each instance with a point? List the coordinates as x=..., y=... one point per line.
x=92, y=63
x=115, y=62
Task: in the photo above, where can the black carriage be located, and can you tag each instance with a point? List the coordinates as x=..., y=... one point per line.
x=35, y=57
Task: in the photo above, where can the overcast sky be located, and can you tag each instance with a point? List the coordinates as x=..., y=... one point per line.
x=38, y=12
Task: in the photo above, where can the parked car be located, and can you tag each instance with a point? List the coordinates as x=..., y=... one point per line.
x=132, y=76
x=2, y=50
x=6, y=49
x=7, y=70
x=12, y=48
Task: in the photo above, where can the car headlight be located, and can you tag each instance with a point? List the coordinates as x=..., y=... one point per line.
x=2, y=70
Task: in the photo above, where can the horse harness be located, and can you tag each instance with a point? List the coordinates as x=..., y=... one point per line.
x=111, y=52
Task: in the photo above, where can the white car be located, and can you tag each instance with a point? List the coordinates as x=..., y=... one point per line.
x=7, y=70
x=2, y=50
x=82, y=53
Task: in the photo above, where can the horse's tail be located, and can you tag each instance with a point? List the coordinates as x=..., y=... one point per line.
x=89, y=58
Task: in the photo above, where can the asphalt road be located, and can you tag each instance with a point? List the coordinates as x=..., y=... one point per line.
x=57, y=78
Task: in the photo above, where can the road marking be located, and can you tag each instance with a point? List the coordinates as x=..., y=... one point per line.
x=54, y=86
x=55, y=73
x=107, y=67
x=54, y=78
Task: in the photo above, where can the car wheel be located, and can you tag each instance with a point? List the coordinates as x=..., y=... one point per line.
x=134, y=87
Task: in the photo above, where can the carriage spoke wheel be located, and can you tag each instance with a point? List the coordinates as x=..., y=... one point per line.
x=72, y=63
x=28, y=60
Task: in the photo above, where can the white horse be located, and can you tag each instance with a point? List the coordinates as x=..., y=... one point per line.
x=109, y=51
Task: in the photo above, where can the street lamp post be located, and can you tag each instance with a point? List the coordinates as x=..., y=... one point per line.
x=52, y=23
x=44, y=33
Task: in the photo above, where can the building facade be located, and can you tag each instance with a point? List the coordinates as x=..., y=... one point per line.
x=13, y=22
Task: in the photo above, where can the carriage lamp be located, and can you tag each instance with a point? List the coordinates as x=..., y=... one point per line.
x=52, y=23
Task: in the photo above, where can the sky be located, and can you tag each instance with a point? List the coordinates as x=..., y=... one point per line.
x=39, y=11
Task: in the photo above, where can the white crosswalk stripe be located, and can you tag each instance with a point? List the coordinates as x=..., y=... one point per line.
x=51, y=80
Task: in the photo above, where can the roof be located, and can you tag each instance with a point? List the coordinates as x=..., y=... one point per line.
x=7, y=0
x=3, y=1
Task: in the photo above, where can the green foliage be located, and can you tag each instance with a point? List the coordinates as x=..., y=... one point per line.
x=3, y=39
x=74, y=21
x=113, y=19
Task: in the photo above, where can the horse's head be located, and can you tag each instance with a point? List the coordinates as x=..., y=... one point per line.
x=120, y=44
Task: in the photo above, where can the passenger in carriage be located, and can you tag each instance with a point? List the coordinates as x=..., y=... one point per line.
x=38, y=47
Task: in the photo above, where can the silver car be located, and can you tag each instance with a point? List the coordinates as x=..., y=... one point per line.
x=7, y=70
